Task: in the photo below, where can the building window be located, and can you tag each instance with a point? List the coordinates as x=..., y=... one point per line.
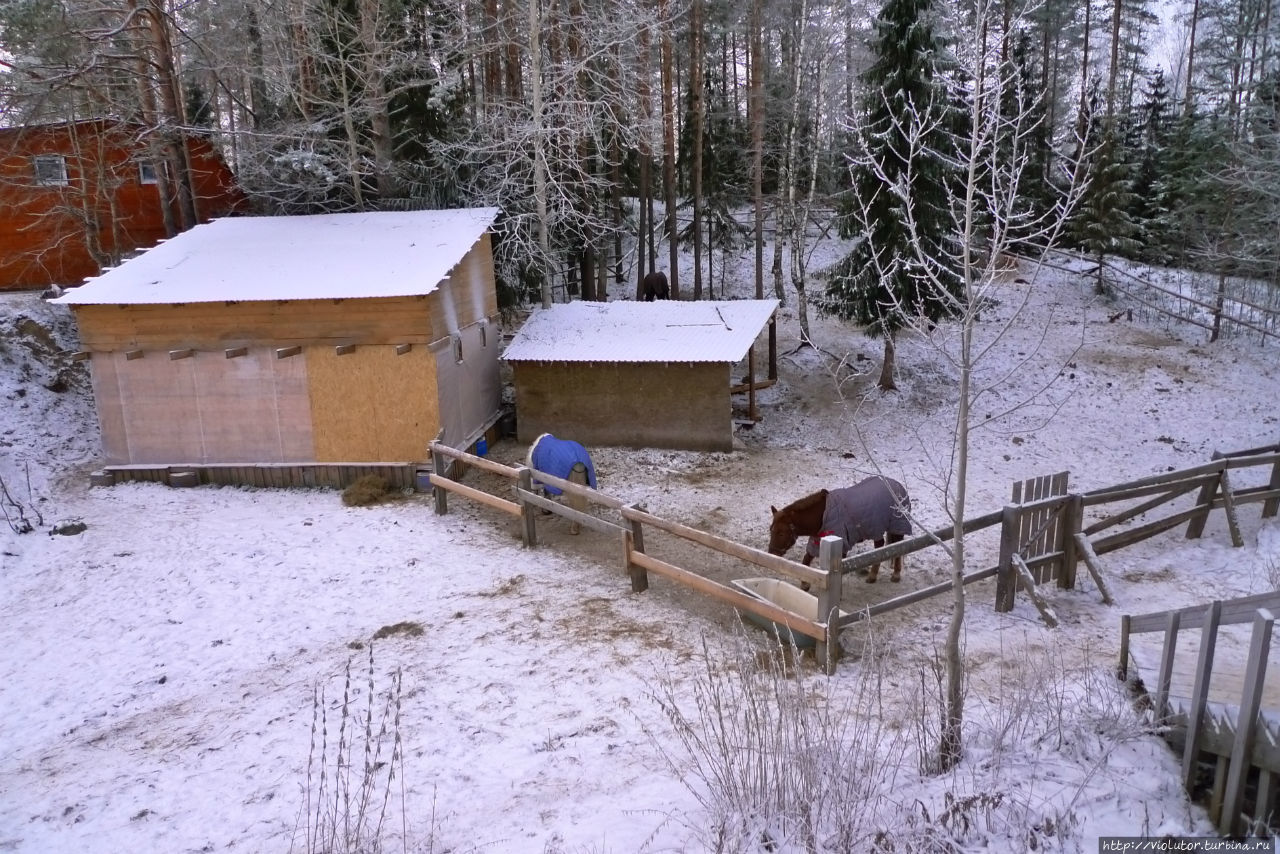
x=51, y=170
x=147, y=173
x=484, y=335
x=457, y=348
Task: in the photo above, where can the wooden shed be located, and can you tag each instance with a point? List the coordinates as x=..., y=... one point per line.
x=638, y=374
x=75, y=196
x=302, y=340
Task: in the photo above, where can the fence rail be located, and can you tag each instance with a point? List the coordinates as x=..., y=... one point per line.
x=1201, y=723
x=1043, y=534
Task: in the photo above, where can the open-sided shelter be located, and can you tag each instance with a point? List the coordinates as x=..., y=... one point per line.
x=638, y=374
x=327, y=339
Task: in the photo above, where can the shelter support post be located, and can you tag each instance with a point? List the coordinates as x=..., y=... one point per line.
x=751, y=383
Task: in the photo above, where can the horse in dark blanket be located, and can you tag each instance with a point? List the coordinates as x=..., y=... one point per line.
x=876, y=509
x=557, y=457
x=655, y=286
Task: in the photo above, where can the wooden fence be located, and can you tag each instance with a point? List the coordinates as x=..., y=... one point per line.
x=1043, y=535
x=1243, y=793
x=629, y=531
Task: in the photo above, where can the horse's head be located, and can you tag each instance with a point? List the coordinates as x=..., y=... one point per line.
x=782, y=531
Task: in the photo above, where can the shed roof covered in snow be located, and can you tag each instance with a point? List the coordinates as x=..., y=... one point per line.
x=660, y=331
x=321, y=256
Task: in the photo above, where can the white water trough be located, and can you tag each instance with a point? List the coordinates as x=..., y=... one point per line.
x=787, y=596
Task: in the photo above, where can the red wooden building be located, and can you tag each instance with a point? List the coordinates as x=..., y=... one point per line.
x=77, y=196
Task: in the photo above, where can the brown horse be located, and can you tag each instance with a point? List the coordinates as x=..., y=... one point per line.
x=655, y=286
x=876, y=509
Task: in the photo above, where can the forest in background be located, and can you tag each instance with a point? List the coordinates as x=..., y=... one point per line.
x=601, y=129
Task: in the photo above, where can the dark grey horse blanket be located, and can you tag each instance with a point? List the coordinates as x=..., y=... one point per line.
x=864, y=511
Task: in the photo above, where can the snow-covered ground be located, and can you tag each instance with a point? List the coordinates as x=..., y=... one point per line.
x=172, y=677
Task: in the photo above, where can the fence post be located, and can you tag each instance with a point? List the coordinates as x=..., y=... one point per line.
x=1006, y=575
x=1247, y=725
x=633, y=541
x=1229, y=508
x=1165, y=677
x=529, y=527
x=1272, y=505
x=830, y=552
x=439, y=466
x=1068, y=527
x=1205, y=499
x=578, y=475
x=1200, y=693
x=1123, y=672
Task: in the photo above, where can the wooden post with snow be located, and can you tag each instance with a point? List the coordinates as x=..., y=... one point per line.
x=829, y=556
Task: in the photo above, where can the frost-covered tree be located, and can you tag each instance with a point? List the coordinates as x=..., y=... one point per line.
x=903, y=173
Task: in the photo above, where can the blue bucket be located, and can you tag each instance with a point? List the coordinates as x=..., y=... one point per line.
x=482, y=446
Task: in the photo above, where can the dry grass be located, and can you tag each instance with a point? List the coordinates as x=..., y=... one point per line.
x=368, y=490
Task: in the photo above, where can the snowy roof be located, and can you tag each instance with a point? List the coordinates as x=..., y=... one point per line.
x=660, y=331
x=323, y=256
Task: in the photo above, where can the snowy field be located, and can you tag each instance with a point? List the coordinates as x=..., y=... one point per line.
x=172, y=676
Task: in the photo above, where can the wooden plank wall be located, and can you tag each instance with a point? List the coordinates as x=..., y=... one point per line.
x=1035, y=537
x=219, y=325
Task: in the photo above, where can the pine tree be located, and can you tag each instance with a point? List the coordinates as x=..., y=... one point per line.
x=1102, y=224
x=903, y=268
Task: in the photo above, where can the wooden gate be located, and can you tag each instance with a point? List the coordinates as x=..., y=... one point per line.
x=1037, y=540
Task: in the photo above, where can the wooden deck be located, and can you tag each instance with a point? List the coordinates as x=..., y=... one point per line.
x=1226, y=683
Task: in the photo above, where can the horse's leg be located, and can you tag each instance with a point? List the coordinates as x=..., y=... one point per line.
x=874, y=572
x=897, y=561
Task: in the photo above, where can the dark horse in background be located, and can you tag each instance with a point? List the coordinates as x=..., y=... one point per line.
x=655, y=286
x=876, y=509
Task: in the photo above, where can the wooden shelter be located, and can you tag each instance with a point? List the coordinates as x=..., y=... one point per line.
x=304, y=340
x=76, y=196
x=638, y=374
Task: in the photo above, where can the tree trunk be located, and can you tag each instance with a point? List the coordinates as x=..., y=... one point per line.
x=539, y=154
x=886, y=382
x=695, y=84
x=1114, y=70
x=644, y=216
x=669, y=149
x=756, y=108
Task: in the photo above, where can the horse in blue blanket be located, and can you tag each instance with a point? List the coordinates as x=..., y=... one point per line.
x=557, y=457
x=876, y=509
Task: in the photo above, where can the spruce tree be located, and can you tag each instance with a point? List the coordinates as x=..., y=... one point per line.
x=897, y=273
x=1102, y=224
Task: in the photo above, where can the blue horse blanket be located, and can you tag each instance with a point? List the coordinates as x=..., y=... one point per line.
x=557, y=457
x=865, y=511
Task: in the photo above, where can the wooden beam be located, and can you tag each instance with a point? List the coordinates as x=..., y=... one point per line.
x=1165, y=676
x=401, y=349
x=1200, y=695
x=1229, y=507
x=774, y=563
x=576, y=517
x=1247, y=723
x=1094, y=566
x=130, y=355
x=286, y=352
x=80, y=356
x=1029, y=582
x=344, y=349
x=186, y=353
x=476, y=495
x=236, y=352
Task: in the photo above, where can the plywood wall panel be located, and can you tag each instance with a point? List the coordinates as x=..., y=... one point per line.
x=241, y=403
x=373, y=404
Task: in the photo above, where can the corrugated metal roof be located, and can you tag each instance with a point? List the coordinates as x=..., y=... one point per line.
x=660, y=331
x=324, y=256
